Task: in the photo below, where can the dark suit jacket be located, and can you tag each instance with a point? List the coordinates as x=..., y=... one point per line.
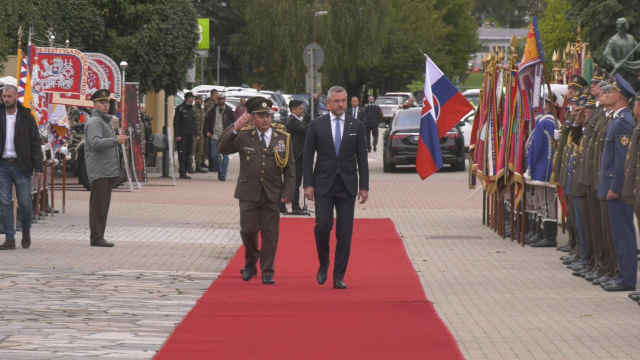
x=298, y=131
x=361, y=115
x=351, y=160
x=26, y=139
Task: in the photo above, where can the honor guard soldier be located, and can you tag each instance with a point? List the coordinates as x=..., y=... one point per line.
x=266, y=180
x=615, y=148
x=538, y=175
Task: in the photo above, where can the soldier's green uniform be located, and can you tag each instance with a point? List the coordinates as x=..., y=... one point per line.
x=198, y=145
x=267, y=174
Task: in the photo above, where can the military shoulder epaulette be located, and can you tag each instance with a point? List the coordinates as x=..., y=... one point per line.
x=248, y=127
x=277, y=126
x=282, y=131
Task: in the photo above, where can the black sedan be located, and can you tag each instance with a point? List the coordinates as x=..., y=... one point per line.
x=401, y=142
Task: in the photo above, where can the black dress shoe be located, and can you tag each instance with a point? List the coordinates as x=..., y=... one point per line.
x=184, y=176
x=580, y=272
x=618, y=287
x=589, y=273
x=634, y=297
x=608, y=283
x=322, y=275
x=339, y=284
x=592, y=277
x=569, y=261
x=545, y=243
x=567, y=257
x=248, y=272
x=102, y=243
x=576, y=267
x=26, y=238
x=637, y=293
x=601, y=280
x=222, y=177
x=255, y=271
x=268, y=280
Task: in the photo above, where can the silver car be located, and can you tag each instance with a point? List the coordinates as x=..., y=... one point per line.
x=389, y=105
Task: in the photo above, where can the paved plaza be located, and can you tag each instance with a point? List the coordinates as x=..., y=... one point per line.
x=65, y=299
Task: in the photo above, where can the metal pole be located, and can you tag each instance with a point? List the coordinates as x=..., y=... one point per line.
x=64, y=182
x=313, y=112
x=315, y=27
x=201, y=70
x=218, y=75
x=165, y=131
x=52, y=192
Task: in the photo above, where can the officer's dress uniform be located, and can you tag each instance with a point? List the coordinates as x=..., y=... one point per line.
x=262, y=182
x=559, y=179
x=197, y=151
x=631, y=170
x=539, y=169
x=623, y=232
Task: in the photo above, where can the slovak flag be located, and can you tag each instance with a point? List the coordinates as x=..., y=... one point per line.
x=443, y=107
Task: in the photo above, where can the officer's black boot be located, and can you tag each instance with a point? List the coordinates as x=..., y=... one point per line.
x=550, y=227
x=200, y=169
x=190, y=169
x=539, y=234
x=507, y=222
x=531, y=225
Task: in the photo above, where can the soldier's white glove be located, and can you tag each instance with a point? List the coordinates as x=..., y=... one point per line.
x=556, y=135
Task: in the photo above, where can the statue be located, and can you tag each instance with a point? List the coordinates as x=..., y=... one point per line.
x=620, y=51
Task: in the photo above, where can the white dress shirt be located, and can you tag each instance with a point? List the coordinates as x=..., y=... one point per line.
x=354, y=112
x=9, y=146
x=267, y=136
x=333, y=126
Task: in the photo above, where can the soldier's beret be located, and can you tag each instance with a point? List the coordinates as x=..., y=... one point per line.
x=102, y=94
x=578, y=81
x=621, y=85
x=258, y=104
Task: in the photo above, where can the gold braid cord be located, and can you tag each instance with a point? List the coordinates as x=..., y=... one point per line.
x=280, y=161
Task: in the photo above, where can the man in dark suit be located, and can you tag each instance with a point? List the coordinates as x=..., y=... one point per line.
x=355, y=110
x=297, y=128
x=338, y=140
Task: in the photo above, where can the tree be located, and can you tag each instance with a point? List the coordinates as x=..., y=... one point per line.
x=510, y=14
x=156, y=37
x=555, y=29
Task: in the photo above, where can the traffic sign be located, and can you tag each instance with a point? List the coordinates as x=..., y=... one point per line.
x=317, y=83
x=318, y=56
x=203, y=32
x=202, y=53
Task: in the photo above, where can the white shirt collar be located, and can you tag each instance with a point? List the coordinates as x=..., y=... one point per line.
x=297, y=117
x=333, y=117
x=615, y=113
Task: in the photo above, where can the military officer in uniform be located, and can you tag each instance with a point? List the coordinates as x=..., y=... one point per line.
x=198, y=145
x=615, y=148
x=184, y=127
x=266, y=179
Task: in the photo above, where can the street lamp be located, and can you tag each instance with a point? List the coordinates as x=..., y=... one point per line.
x=315, y=26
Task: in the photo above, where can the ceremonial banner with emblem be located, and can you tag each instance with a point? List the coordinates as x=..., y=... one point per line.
x=443, y=107
x=530, y=73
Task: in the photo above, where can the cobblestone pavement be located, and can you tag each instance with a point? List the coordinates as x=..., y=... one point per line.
x=65, y=299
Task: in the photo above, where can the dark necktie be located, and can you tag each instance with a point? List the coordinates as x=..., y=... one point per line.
x=264, y=143
x=338, y=138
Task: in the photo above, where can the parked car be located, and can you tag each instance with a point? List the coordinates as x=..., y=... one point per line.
x=233, y=99
x=279, y=101
x=465, y=125
x=322, y=102
x=473, y=96
x=401, y=142
x=205, y=90
x=404, y=95
x=389, y=106
x=238, y=88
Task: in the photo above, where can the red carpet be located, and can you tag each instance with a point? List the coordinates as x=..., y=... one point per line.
x=383, y=313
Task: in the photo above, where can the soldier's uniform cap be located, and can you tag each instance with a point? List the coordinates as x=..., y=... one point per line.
x=199, y=97
x=578, y=81
x=621, y=85
x=102, y=94
x=621, y=21
x=604, y=85
x=258, y=104
x=582, y=101
x=591, y=102
x=574, y=99
x=597, y=76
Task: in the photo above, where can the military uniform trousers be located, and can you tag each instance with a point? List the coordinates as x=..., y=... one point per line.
x=184, y=147
x=295, y=204
x=609, y=253
x=570, y=225
x=594, y=226
x=625, y=243
x=99, y=202
x=260, y=217
x=197, y=151
x=544, y=200
x=581, y=231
